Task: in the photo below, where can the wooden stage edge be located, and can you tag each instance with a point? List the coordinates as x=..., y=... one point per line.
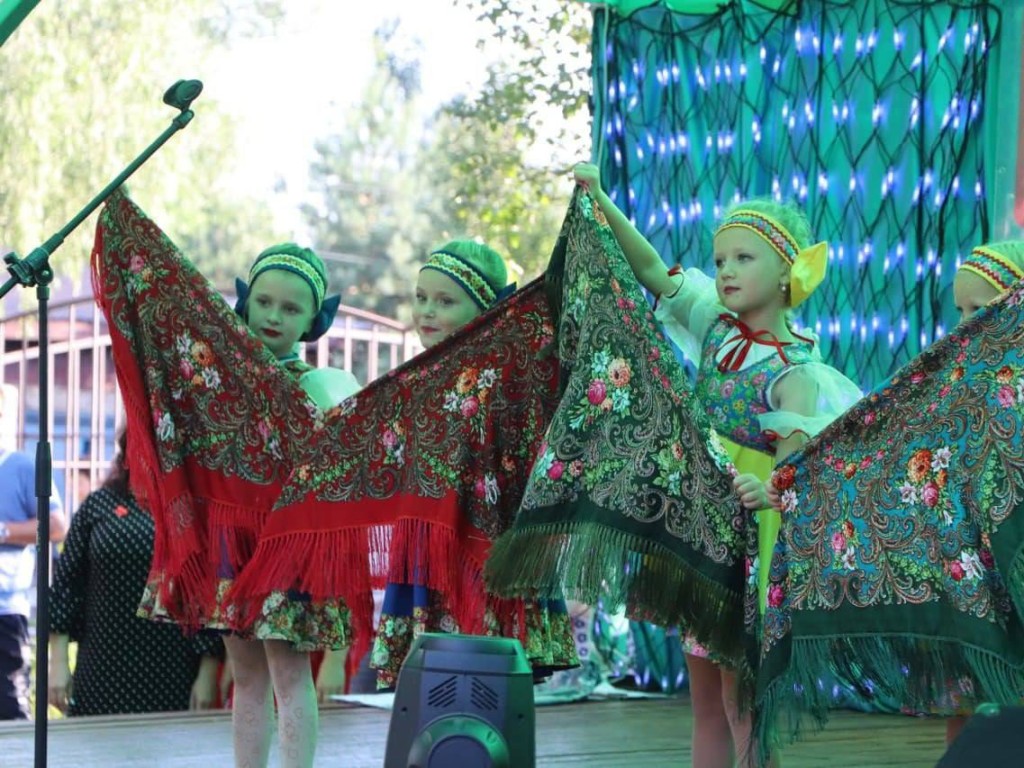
x=598, y=734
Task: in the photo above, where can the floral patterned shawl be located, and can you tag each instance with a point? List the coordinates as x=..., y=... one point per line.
x=631, y=499
x=213, y=419
x=900, y=556
x=414, y=475
x=432, y=460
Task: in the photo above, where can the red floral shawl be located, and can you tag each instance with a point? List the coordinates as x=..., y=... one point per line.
x=415, y=475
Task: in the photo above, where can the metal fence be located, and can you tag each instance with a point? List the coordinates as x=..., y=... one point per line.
x=85, y=404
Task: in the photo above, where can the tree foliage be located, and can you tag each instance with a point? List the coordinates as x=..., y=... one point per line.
x=490, y=166
x=483, y=188
x=525, y=128
x=82, y=82
x=543, y=81
x=365, y=216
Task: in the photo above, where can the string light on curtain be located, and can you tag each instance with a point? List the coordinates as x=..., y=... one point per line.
x=867, y=114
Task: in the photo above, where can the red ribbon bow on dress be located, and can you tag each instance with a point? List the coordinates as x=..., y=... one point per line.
x=739, y=345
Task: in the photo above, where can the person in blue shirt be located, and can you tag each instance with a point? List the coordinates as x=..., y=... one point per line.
x=17, y=568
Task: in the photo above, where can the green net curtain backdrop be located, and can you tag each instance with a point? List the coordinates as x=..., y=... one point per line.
x=867, y=113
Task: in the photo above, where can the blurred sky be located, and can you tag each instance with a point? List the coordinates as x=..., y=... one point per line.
x=288, y=89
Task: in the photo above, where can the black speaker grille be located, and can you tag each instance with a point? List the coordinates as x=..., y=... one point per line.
x=443, y=695
x=482, y=696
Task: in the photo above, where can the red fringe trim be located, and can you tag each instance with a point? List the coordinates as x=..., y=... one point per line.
x=329, y=566
x=341, y=550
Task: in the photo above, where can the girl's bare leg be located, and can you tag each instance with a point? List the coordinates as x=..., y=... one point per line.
x=712, y=735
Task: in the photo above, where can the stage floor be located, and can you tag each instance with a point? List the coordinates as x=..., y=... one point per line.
x=609, y=734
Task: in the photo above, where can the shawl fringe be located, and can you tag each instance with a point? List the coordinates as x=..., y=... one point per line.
x=588, y=562
x=914, y=670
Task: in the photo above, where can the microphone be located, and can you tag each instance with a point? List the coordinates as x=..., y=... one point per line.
x=182, y=94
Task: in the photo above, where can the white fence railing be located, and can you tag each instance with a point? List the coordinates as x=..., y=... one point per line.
x=85, y=403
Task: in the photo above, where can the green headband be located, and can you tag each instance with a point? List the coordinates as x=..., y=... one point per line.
x=296, y=265
x=465, y=274
x=992, y=267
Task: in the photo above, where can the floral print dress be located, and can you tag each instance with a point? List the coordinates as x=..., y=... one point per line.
x=737, y=371
x=306, y=624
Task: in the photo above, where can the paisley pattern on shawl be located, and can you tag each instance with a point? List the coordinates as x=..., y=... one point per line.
x=900, y=556
x=430, y=461
x=212, y=417
x=630, y=500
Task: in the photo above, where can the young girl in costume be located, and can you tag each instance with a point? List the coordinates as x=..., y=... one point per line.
x=284, y=302
x=989, y=272
x=459, y=282
x=763, y=385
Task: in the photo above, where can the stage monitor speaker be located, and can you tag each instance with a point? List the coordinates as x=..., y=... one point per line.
x=463, y=702
x=994, y=736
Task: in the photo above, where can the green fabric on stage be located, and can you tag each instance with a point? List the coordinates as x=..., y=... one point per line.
x=630, y=500
x=900, y=558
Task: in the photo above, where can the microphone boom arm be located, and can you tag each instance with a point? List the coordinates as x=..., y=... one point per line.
x=34, y=269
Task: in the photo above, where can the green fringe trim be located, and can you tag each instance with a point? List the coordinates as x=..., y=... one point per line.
x=1015, y=580
x=590, y=561
x=915, y=672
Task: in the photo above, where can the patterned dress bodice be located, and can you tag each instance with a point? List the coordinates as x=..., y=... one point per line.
x=734, y=399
